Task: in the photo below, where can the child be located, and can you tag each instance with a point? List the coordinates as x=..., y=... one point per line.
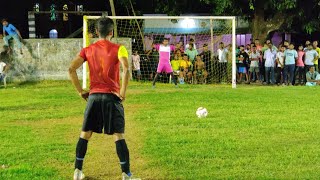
x=242, y=58
x=185, y=72
x=254, y=65
x=175, y=64
x=300, y=66
x=280, y=64
x=136, y=65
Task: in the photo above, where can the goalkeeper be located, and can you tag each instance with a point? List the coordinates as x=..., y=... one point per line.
x=164, y=60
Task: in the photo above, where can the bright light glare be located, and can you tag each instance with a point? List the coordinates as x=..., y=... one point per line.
x=188, y=23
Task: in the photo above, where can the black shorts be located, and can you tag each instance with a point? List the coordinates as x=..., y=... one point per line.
x=104, y=111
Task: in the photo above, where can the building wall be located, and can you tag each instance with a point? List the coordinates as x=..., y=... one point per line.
x=47, y=58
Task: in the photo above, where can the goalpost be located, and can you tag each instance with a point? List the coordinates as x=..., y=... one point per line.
x=138, y=33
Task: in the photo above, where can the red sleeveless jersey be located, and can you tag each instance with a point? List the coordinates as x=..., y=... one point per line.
x=104, y=66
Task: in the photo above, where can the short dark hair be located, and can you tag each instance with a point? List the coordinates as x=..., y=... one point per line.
x=104, y=26
x=205, y=45
x=3, y=20
x=191, y=39
x=242, y=46
x=165, y=39
x=185, y=54
x=254, y=46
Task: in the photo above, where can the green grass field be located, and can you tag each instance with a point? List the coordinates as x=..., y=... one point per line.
x=252, y=132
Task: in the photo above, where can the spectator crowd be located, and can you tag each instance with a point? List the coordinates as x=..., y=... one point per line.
x=286, y=65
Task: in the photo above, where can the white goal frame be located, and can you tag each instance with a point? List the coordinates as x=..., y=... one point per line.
x=211, y=18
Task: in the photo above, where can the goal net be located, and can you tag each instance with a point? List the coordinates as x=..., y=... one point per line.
x=212, y=38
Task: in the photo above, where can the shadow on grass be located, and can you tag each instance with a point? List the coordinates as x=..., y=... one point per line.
x=92, y=178
x=28, y=83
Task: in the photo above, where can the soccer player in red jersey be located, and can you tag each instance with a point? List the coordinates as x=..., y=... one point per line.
x=104, y=111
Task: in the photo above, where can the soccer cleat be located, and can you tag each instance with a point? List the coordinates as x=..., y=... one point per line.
x=78, y=175
x=126, y=177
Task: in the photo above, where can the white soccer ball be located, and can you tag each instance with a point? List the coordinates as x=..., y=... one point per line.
x=202, y=112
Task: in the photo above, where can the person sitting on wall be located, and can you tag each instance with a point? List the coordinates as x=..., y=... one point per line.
x=12, y=32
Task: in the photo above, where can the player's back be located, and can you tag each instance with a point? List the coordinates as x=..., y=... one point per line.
x=104, y=66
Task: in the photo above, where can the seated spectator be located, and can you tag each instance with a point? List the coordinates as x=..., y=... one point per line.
x=136, y=65
x=185, y=70
x=175, y=64
x=313, y=77
x=200, y=74
x=310, y=57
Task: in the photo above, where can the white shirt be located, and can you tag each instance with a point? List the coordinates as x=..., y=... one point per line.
x=309, y=57
x=254, y=56
x=2, y=65
x=136, y=62
x=280, y=57
x=222, y=55
x=270, y=57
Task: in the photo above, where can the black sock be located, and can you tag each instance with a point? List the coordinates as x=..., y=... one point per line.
x=80, y=152
x=123, y=154
x=173, y=79
x=155, y=79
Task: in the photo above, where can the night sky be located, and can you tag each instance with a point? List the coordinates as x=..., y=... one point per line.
x=16, y=11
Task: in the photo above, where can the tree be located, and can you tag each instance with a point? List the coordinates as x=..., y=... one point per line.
x=264, y=16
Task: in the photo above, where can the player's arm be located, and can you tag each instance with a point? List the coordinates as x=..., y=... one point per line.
x=123, y=58
x=76, y=64
x=4, y=32
x=125, y=77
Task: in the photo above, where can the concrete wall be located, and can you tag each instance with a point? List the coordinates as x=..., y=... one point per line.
x=47, y=58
